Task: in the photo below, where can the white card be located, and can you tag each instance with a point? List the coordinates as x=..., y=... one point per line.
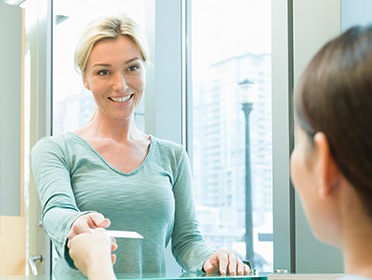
x=124, y=234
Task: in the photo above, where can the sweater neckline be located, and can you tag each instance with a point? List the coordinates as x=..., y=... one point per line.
x=134, y=171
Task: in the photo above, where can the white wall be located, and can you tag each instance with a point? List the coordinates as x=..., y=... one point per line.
x=10, y=109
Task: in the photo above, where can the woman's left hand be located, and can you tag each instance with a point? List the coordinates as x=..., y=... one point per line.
x=225, y=262
x=93, y=249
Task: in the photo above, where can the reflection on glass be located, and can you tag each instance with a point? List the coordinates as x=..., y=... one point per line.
x=231, y=68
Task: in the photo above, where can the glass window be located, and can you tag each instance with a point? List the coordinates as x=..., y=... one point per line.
x=231, y=144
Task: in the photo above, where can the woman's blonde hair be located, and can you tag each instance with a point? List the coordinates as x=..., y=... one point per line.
x=108, y=28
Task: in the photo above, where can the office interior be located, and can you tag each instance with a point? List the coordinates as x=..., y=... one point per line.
x=281, y=37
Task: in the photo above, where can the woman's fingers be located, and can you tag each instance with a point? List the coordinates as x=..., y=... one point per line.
x=225, y=262
x=87, y=222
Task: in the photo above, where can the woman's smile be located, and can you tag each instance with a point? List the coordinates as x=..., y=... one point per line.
x=121, y=99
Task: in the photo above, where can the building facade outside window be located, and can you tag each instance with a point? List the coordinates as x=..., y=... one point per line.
x=231, y=66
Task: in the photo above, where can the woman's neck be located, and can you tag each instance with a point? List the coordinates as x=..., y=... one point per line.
x=101, y=127
x=356, y=236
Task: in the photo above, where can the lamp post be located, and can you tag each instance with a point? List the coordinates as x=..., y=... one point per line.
x=247, y=105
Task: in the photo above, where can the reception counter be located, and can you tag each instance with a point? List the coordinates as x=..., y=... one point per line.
x=40, y=277
x=266, y=277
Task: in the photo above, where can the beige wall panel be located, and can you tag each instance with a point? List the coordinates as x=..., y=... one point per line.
x=12, y=245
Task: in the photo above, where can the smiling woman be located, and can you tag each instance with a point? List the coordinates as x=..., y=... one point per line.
x=109, y=173
x=72, y=102
x=115, y=72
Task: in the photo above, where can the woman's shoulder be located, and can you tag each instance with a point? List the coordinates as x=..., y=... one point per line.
x=168, y=154
x=60, y=141
x=57, y=139
x=166, y=145
x=167, y=151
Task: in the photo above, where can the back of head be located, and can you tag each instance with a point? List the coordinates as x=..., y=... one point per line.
x=108, y=28
x=334, y=96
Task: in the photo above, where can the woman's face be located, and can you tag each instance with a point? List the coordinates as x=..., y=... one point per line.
x=116, y=75
x=306, y=177
x=302, y=171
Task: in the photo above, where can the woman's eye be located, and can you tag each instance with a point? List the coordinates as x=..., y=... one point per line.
x=103, y=72
x=134, y=68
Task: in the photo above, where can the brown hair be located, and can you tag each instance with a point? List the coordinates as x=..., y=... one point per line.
x=334, y=96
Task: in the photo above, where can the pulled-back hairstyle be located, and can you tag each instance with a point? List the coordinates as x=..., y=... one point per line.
x=334, y=96
x=108, y=28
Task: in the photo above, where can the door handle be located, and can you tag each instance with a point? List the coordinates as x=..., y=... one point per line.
x=32, y=262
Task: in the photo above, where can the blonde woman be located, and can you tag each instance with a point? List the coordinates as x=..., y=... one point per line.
x=109, y=173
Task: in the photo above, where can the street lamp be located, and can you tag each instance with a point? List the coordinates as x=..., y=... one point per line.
x=246, y=98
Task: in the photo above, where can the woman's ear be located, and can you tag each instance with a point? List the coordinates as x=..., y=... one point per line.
x=86, y=85
x=328, y=171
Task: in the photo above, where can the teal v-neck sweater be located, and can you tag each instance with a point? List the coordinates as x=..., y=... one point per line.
x=155, y=200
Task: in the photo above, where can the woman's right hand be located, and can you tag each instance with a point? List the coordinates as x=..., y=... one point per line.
x=87, y=222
